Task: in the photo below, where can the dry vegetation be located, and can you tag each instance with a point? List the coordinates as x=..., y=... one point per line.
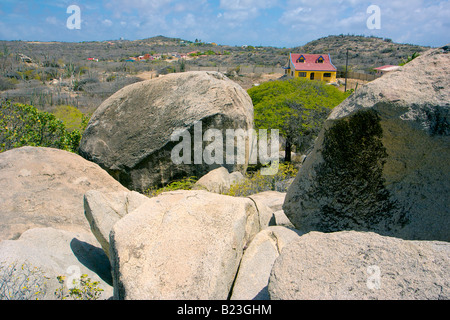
x=60, y=74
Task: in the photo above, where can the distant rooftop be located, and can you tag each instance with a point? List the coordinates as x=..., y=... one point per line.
x=312, y=62
x=387, y=68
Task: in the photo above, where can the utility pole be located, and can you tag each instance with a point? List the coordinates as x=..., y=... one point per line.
x=346, y=72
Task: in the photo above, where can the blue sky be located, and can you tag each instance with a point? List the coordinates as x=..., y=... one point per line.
x=279, y=23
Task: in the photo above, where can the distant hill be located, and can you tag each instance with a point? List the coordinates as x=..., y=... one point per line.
x=364, y=52
x=83, y=74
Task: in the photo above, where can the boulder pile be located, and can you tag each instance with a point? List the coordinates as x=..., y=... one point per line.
x=366, y=217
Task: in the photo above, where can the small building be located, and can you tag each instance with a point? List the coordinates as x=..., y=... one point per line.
x=148, y=56
x=385, y=69
x=311, y=66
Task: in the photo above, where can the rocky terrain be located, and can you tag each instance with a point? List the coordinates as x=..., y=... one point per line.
x=366, y=217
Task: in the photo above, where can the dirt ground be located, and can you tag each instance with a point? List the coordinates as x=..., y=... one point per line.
x=147, y=75
x=249, y=80
x=351, y=83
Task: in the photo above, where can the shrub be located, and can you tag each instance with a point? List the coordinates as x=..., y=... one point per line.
x=82, y=289
x=72, y=117
x=81, y=84
x=111, y=77
x=183, y=184
x=7, y=84
x=409, y=59
x=25, y=282
x=256, y=182
x=24, y=125
x=21, y=282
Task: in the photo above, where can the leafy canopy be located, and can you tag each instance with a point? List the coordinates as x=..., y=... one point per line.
x=297, y=107
x=24, y=125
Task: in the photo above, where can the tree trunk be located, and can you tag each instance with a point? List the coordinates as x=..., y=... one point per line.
x=287, y=150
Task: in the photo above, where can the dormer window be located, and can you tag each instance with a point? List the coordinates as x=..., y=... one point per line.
x=301, y=59
x=320, y=60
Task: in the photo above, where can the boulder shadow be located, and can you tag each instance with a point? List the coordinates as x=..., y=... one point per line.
x=92, y=258
x=263, y=294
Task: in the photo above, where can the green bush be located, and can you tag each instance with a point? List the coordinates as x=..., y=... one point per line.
x=256, y=182
x=24, y=125
x=183, y=184
x=409, y=59
x=72, y=117
x=83, y=289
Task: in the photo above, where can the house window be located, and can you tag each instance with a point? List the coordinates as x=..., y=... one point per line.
x=302, y=74
x=320, y=59
x=301, y=59
x=327, y=75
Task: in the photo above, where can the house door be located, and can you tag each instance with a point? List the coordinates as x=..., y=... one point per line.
x=311, y=76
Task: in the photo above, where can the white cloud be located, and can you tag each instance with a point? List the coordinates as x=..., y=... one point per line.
x=238, y=12
x=247, y=4
x=51, y=20
x=237, y=16
x=107, y=23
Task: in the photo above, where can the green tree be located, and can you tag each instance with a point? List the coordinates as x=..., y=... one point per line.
x=24, y=125
x=297, y=107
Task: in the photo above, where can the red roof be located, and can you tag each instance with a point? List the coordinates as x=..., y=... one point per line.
x=311, y=62
x=385, y=67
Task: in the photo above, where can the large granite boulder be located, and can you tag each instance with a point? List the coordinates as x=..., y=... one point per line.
x=44, y=187
x=181, y=245
x=381, y=162
x=351, y=265
x=129, y=135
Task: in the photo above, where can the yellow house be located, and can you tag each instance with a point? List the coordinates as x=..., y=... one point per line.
x=311, y=66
